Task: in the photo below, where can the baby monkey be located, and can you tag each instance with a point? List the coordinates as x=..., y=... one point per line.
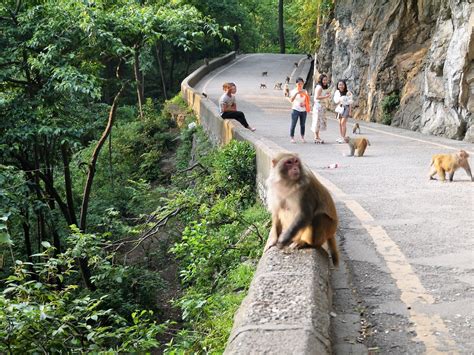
x=442, y=163
x=357, y=143
x=356, y=128
x=303, y=211
x=264, y=73
x=263, y=86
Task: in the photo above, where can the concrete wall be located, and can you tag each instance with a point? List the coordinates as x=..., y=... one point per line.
x=287, y=307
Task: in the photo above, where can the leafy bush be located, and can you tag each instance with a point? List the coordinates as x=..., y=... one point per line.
x=390, y=104
x=43, y=310
x=218, y=248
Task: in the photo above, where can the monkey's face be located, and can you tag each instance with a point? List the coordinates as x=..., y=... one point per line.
x=293, y=168
x=463, y=154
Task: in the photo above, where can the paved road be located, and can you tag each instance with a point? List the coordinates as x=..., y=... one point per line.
x=407, y=241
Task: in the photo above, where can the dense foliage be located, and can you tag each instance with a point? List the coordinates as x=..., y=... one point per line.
x=107, y=209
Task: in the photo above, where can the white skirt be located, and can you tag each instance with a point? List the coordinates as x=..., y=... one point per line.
x=319, y=122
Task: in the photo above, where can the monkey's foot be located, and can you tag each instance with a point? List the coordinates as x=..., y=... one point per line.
x=294, y=245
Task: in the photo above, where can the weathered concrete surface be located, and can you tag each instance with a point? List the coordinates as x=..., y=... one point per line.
x=286, y=309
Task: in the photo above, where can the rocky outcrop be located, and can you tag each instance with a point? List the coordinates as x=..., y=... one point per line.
x=421, y=51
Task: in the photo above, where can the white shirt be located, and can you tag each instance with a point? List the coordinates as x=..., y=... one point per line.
x=343, y=99
x=298, y=103
x=227, y=101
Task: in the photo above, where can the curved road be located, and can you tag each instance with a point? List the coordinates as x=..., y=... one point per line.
x=407, y=241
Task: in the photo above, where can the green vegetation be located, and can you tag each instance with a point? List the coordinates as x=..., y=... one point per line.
x=110, y=207
x=390, y=104
x=306, y=19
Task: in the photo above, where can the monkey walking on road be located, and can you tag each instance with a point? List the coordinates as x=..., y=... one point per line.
x=303, y=211
x=442, y=163
x=263, y=86
x=357, y=143
x=278, y=86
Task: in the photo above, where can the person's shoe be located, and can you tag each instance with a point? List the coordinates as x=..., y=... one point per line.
x=302, y=140
x=292, y=140
x=252, y=129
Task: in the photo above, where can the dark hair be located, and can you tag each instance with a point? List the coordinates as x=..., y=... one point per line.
x=344, y=92
x=320, y=81
x=300, y=79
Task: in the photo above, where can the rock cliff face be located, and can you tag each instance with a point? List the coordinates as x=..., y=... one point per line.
x=421, y=51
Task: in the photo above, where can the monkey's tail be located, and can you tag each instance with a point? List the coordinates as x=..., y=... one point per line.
x=334, y=252
x=432, y=161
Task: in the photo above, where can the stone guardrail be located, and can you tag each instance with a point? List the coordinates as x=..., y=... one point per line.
x=287, y=307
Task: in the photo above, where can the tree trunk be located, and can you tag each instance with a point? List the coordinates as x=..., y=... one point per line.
x=26, y=235
x=83, y=262
x=281, y=30
x=171, y=78
x=138, y=79
x=65, y=152
x=93, y=162
x=159, y=60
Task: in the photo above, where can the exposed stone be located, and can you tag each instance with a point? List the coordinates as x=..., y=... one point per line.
x=423, y=50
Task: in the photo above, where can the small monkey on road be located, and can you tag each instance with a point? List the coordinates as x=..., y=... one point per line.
x=356, y=128
x=442, y=163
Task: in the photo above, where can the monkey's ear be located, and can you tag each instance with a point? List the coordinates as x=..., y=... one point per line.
x=274, y=163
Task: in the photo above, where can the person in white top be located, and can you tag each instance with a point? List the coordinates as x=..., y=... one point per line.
x=300, y=106
x=343, y=99
x=228, y=106
x=320, y=120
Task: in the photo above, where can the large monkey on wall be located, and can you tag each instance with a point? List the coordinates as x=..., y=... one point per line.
x=303, y=211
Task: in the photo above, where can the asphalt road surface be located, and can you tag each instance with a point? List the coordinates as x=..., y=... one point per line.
x=407, y=241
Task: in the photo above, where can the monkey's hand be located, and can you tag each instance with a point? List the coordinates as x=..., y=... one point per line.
x=292, y=230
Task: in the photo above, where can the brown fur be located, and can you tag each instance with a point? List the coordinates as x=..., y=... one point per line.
x=303, y=211
x=442, y=163
x=357, y=143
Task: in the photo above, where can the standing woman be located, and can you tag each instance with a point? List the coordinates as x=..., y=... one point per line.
x=300, y=105
x=228, y=106
x=343, y=99
x=320, y=120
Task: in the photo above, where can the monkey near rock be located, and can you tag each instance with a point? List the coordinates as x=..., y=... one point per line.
x=303, y=211
x=357, y=143
x=442, y=163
